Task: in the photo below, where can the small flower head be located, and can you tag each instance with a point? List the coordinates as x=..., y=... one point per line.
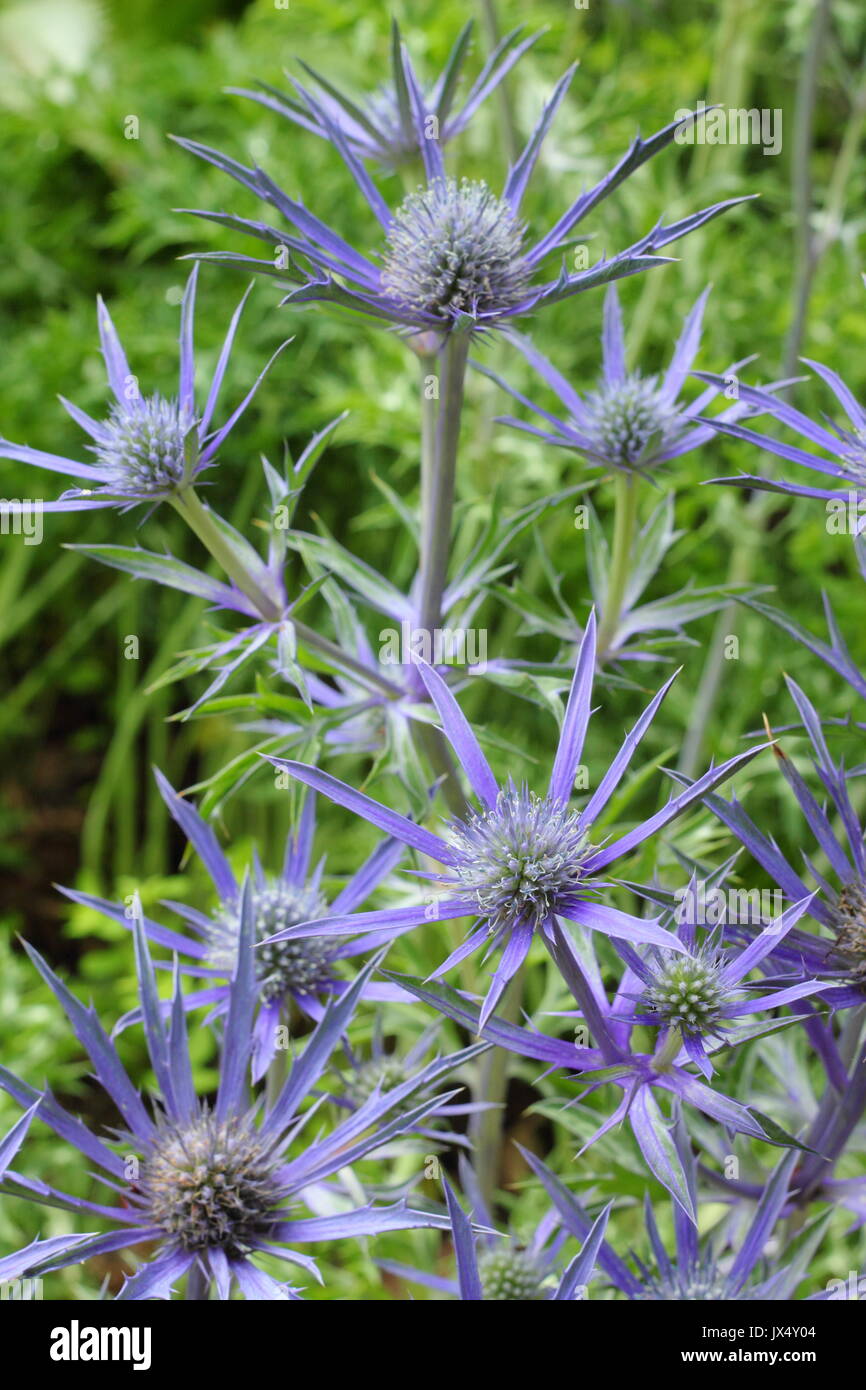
x=383, y=125
x=689, y=992
x=839, y=905
x=377, y=1074
x=841, y=460
x=454, y=253
x=700, y=1282
x=215, y=1185
x=630, y=422
x=521, y=858
x=147, y=448
x=629, y=418
x=454, y=248
x=210, y=1183
x=143, y=448
x=286, y=974
x=509, y=1274
x=282, y=967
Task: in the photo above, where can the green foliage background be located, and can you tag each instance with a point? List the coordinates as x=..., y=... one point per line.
x=85, y=209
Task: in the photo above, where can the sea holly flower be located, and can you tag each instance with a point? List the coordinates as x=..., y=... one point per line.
x=454, y=254
x=696, y=1272
x=302, y=974
x=214, y=1186
x=699, y=996
x=496, y=1269
x=522, y=858
x=148, y=448
x=631, y=422
x=840, y=960
x=383, y=127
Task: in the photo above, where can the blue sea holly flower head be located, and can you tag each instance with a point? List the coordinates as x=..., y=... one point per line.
x=148, y=448
x=695, y=1272
x=214, y=1185
x=454, y=254
x=299, y=974
x=839, y=906
x=521, y=859
x=631, y=422
x=382, y=127
x=701, y=995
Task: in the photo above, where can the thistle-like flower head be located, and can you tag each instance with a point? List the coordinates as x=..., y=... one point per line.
x=841, y=460
x=521, y=859
x=212, y=1186
x=509, y=1274
x=148, y=447
x=284, y=967
x=848, y=917
x=382, y=126
x=689, y=992
x=694, y=1272
x=627, y=418
x=839, y=905
x=453, y=256
x=701, y=995
x=211, y=1183
x=143, y=449
x=454, y=248
x=631, y=422
x=288, y=975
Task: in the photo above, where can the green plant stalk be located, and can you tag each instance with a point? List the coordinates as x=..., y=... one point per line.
x=438, y=478
x=439, y=442
x=199, y=519
x=625, y=518
x=486, y=1126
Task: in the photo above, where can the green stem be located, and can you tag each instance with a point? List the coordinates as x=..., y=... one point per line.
x=199, y=519
x=486, y=1126
x=438, y=477
x=440, y=434
x=625, y=517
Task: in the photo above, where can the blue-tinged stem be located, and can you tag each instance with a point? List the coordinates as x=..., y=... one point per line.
x=440, y=436
x=199, y=519
x=438, y=478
